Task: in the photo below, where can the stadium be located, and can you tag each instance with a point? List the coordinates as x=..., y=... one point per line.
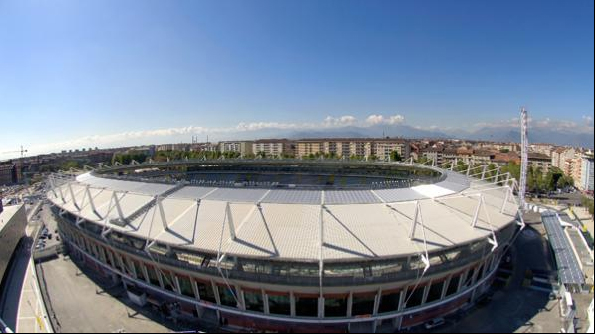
x=292, y=246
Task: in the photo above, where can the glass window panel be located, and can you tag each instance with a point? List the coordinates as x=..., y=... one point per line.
x=227, y=296
x=306, y=306
x=254, y=301
x=186, y=286
x=469, y=279
x=168, y=281
x=140, y=274
x=279, y=304
x=415, y=297
x=453, y=286
x=153, y=276
x=435, y=292
x=335, y=307
x=389, y=302
x=363, y=305
x=205, y=290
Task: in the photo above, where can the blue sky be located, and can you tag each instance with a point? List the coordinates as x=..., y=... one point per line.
x=117, y=72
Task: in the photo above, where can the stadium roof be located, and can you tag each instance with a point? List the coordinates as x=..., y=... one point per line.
x=286, y=224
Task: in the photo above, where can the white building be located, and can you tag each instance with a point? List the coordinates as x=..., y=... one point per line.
x=586, y=183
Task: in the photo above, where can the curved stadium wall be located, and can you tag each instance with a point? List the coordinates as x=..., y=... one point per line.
x=291, y=246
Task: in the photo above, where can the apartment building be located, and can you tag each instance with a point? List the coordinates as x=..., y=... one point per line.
x=539, y=160
x=586, y=180
x=242, y=147
x=561, y=155
x=274, y=147
x=385, y=147
x=349, y=147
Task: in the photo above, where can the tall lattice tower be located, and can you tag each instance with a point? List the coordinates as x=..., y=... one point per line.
x=524, y=157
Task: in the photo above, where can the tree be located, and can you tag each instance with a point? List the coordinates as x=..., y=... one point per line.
x=513, y=169
x=423, y=160
x=565, y=181
x=395, y=156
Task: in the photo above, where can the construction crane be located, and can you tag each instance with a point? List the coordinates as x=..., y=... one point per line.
x=524, y=157
x=22, y=151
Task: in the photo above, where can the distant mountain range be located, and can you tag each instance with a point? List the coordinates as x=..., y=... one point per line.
x=496, y=134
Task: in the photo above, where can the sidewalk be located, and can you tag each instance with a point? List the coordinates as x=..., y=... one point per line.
x=32, y=317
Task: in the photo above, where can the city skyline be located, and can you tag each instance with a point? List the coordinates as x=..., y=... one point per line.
x=111, y=74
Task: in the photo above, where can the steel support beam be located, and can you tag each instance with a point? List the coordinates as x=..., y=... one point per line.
x=229, y=217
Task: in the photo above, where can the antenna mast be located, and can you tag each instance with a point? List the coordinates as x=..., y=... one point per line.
x=524, y=157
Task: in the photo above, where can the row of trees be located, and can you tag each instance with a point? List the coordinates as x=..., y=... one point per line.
x=127, y=158
x=538, y=181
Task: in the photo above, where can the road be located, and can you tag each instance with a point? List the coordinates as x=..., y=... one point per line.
x=515, y=309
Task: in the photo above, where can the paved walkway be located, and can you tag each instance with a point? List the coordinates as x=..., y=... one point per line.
x=83, y=306
x=516, y=309
x=32, y=317
x=22, y=305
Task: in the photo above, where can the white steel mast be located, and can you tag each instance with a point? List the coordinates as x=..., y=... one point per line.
x=524, y=157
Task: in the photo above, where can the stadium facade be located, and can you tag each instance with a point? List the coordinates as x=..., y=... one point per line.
x=292, y=246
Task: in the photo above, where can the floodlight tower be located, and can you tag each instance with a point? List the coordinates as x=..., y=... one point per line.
x=524, y=157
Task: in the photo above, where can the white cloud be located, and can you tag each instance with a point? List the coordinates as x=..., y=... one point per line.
x=545, y=123
x=342, y=121
x=375, y=119
x=251, y=129
x=396, y=119
x=380, y=119
x=132, y=138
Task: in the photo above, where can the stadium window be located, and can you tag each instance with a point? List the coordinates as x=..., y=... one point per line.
x=469, y=278
x=389, y=267
x=415, y=297
x=140, y=274
x=120, y=263
x=253, y=300
x=110, y=258
x=129, y=266
x=304, y=270
x=168, y=281
x=306, y=306
x=227, y=296
x=453, y=285
x=342, y=270
x=205, y=291
x=363, y=304
x=186, y=286
x=335, y=306
x=279, y=303
x=435, y=292
x=389, y=302
x=102, y=254
x=153, y=276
